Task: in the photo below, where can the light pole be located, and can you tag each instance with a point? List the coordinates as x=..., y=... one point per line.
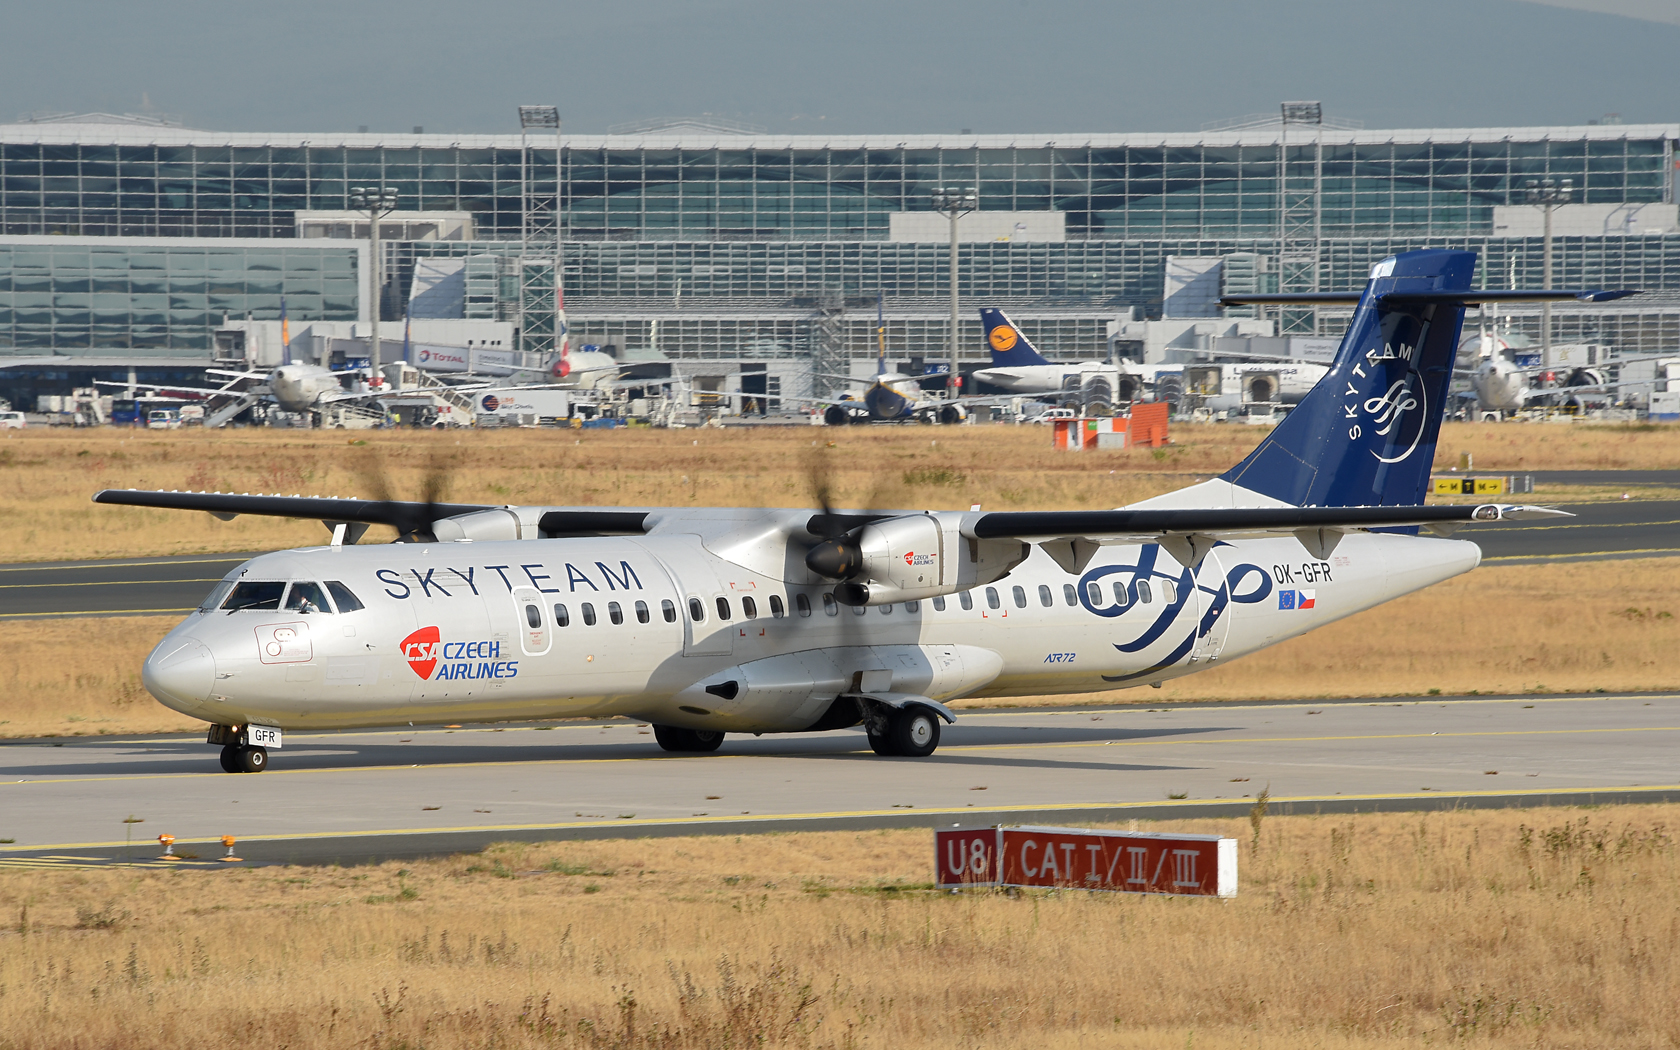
x=954, y=202
x=1548, y=195
x=378, y=202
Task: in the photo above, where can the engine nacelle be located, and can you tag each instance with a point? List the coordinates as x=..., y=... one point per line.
x=919, y=556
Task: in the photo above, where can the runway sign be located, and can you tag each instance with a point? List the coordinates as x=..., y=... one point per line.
x=1078, y=858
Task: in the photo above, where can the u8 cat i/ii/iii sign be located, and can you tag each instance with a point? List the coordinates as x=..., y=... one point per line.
x=1077, y=858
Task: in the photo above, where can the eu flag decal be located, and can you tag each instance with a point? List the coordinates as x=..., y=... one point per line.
x=1286, y=599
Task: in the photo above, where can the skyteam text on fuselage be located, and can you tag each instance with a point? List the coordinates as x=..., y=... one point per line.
x=712, y=621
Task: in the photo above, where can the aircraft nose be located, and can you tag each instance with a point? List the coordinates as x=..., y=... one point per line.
x=180, y=673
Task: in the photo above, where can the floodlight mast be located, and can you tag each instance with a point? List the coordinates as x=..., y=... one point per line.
x=955, y=202
x=535, y=218
x=1548, y=194
x=378, y=202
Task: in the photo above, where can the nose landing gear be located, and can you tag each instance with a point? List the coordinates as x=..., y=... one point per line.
x=238, y=759
x=237, y=756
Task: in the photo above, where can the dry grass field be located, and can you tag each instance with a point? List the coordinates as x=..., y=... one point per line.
x=1577, y=627
x=1540, y=928
x=49, y=474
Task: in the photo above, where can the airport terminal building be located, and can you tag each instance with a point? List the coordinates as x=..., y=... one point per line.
x=721, y=248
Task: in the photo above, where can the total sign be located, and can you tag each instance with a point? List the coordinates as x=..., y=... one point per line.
x=1075, y=858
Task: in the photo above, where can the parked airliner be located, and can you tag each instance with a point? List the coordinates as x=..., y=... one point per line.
x=715, y=621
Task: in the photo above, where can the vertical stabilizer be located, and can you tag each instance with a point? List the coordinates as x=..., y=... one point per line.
x=1365, y=435
x=1009, y=345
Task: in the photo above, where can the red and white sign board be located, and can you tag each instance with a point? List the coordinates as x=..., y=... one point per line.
x=1079, y=858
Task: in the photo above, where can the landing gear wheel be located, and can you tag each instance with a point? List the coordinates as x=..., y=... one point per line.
x=675, y=738
x=230, y=759
x=881, y=744
x=253, y=759
x=913, y=732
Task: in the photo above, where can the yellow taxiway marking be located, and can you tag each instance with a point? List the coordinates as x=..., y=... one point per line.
x=1153, y=742
x=86, y=567
x=89, y=612
x=1582, y=554
x=858, y=813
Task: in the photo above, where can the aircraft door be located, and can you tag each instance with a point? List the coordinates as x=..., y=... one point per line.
x=701, y=605
x=1211, y=592
x=536, y=628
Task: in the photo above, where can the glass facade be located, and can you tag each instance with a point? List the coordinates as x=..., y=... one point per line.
x=68, y=293
x=1221, y=184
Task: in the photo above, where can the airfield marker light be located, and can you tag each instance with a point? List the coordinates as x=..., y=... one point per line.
x=168, y=841
x=228, y=841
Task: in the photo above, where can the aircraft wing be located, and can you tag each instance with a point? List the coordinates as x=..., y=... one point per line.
x=1073, y=537
x=235, y=375
x=1468, y=298
x=207, y=391
x=407, y=518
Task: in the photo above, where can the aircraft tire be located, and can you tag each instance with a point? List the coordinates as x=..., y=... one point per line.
x=230, y=759
x=675, y=738
x=253, y=759
x=913, y=732
x=881, y=744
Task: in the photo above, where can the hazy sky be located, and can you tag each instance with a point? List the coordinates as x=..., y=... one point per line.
x=843, y=66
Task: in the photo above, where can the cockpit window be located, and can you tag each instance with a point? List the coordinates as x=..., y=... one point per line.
x=214, y=599
x=342, y=597
x=306, y=597
x=255, y=596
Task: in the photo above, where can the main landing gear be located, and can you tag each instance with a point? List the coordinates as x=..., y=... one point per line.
x=673, y=738
x=239, y=759
x=908, y=732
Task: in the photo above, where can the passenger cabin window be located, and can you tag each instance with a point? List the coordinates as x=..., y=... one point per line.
x=1169, y=593
x=562, y=618
x=615, y=612
x=1044, y=597
x=1145, y=595
x=696, y=610
x=213, y=600
x=1121, y=597
x=966, y=600
x=886, y=610
x=723, y=607
x=668, y=609
x=777, y=609
x=342, y=597
x=642, y=613
x=1093, y=593
x=1020, y=595
x=588, y=614
x=803, y=604
x=533, y=616
x=255, y=596
x=830, y=606
x=306, y=597
x=912, y=607
x=749, y=608
x=939, y=603
x=992, y=599
x=859, y=610
x=1069, y=595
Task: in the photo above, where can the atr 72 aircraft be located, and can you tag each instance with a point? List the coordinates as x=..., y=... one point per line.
x=707, y=622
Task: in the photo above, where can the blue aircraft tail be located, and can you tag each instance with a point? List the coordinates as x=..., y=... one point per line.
x=1365, y=435
x=1009, y=345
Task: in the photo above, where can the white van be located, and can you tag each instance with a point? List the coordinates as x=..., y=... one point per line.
x=12, y=421
x=1050, y=415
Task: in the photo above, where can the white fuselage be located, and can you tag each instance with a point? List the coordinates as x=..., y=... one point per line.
x=299, y=388
x=465, y=630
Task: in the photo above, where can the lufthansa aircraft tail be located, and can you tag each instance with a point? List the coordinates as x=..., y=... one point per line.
x=1010, y=346
x=1365, y=435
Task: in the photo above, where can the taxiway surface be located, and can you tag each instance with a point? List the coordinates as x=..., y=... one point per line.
x=134, y=586
x=354, y=796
